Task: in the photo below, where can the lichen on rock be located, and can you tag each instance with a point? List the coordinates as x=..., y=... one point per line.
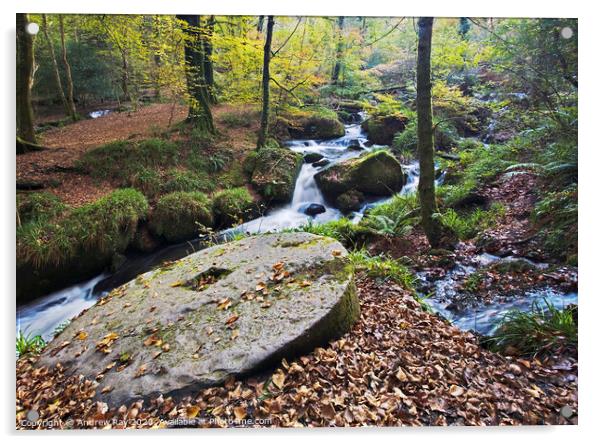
x=229, y=310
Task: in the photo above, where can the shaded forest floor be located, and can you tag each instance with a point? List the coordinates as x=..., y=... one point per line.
x=400, y=365
x=55, y=166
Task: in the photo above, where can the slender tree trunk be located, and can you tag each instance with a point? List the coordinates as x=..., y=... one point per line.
x=265, y=84
x=260, y=23
x=70, y=102
x=199, y=110
x=207, y=35
x=336, y=71
x=25, y=61
x=125, y=77
x=55, y=65
x=424, y=109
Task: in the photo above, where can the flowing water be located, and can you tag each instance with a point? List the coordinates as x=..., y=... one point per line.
x=483, y=318
x=45, y=314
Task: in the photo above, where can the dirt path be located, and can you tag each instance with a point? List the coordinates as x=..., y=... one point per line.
x=400, y=365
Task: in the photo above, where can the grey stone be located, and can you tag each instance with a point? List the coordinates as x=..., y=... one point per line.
x=192, y=305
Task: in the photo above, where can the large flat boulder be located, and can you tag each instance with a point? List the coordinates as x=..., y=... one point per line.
x=377, y=173
x=225, y=311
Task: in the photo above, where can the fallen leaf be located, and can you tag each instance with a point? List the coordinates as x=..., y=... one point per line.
x=192, y=411
x=232, y=319
x=278, y=379
x=456, y=390
x=240, y=412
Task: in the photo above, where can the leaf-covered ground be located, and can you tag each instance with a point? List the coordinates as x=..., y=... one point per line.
x=53, y=167
x=400, y=365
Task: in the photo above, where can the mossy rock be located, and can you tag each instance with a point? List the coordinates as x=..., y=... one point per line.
x=181, y=216
x=232, y=206
x=54, y=251
x=124, y=159
x=249, y=332
x=317, y=127
x=275, y=172
x=351, y=200
x=381, y=130
x=144, y=241
x=42, y=205
x=313, y=123
x=377, y=173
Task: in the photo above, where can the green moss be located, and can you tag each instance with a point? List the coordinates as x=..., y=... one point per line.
x=33, y=207
x=146, y=180
x=310, y=122
x=184, y=180
x=76, y=244
x=123, y=159
x=377, y=173
x=100, y=228
x=275, y=172
x=343, y=230
x=181, y=215
x=232, y=206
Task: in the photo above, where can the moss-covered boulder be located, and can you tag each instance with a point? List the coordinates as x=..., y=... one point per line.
x=232, y=206
x=317, y=127
x=181, y=216
x=273, y=172
x=382, y=129
x=223, y=312
x=56, y=249
x=377, y=173
x=312, y=123
x=351, y=200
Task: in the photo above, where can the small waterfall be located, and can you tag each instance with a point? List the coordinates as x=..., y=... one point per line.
x=44, y=315
x=306, y=189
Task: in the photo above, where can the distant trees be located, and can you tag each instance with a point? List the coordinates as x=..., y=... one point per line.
x=25, y=70
x=199, y=109
x=55, y=65
x=426, y=152
x=265, y=84
x=70, y=102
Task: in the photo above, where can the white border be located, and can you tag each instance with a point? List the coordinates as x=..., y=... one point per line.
x=590, y=307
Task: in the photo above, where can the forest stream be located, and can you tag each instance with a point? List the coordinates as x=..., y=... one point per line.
x=44, y=315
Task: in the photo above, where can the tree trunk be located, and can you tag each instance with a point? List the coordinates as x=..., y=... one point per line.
x=55, y=65
x=25, y=61
x=265, y=84
x=199, y=110
x=207, y=35
x=125, y=77
x=70, y=102
x=424, y=110
x=260, y=23
x=336, y=71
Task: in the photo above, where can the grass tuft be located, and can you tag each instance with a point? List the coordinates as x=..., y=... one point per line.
x=28, y=344
x=543, y=329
